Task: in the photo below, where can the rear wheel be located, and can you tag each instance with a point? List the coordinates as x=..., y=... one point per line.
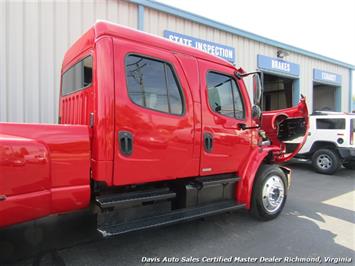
x=325, y=161
x=349, y=165
x=269, y=192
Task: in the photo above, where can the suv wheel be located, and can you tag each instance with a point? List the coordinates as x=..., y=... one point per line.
x=349, y=165
x=269, y=192
x=325, y=161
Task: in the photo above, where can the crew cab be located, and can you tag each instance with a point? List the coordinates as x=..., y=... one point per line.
x=150, y=133
x=331, y=141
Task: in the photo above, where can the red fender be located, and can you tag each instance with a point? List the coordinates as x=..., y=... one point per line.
x=245, y=185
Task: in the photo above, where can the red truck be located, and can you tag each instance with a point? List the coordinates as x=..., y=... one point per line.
x=150, y=133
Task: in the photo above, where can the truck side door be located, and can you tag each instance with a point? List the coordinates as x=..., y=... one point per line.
x=224, y=105
x=154, y=126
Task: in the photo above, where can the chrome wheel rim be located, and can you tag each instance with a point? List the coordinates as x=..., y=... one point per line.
x=324, y=161
x=273, y=194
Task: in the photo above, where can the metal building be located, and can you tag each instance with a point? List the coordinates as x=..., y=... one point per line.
x=35, y=34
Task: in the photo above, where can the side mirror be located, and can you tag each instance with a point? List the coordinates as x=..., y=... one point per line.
x=257, y=89
x=256, y=112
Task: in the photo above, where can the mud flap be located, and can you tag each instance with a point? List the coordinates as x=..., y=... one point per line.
x=287, y=172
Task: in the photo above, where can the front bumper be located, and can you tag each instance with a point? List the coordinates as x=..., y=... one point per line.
x=347, y=153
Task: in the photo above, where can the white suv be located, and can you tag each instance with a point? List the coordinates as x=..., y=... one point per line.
x=330, y=142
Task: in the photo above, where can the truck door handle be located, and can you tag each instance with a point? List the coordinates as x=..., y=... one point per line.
x=243, y=126
x=208, y=142
x=2, y=197
x=125, y=141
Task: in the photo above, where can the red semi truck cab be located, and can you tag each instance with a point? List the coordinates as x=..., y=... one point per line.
x=151, y=133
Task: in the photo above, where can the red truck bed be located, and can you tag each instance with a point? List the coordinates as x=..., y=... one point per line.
x=44, y=169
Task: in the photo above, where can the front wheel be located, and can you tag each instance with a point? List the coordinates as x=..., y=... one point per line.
x=325, y=161
x=269, y=192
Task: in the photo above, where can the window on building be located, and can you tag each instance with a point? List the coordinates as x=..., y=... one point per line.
x=153, y=84
x=224, y=96
x=77, y=77
x=330, y=123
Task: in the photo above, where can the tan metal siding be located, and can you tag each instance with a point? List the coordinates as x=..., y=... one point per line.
x=31, y=62
x=34, y=36
x=15, y=60
x=3, y=64
x=247, y=50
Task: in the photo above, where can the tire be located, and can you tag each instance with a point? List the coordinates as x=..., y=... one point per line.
x=325, y=161
x=269, y=192
x=349, y=165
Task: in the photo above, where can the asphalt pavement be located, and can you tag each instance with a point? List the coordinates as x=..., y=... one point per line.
x=317, y=225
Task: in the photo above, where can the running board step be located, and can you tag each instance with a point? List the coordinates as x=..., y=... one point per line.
x=133, y=198
x=170, y=218
x=218, y=179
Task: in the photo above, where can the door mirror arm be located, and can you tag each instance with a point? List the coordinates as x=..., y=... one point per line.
x=258, y=79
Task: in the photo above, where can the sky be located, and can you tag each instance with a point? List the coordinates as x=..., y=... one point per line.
x=326, y=27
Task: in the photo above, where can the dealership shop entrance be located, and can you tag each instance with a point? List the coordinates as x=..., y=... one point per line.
x=324, y=97
x=277, y=92
x=281, y=83
x=326, y=91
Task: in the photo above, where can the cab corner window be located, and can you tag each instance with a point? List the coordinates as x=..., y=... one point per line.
x=224, y=96
x=78, y=77
x=152, y=84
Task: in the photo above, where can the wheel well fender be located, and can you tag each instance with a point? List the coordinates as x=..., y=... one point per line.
x=322, y=145
x=248, y=173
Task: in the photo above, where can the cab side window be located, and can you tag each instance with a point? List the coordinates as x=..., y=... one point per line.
x=224, y=96
x=152, y=84
x=78, y=77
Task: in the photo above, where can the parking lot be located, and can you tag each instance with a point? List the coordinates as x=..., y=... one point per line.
x=318, y=221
